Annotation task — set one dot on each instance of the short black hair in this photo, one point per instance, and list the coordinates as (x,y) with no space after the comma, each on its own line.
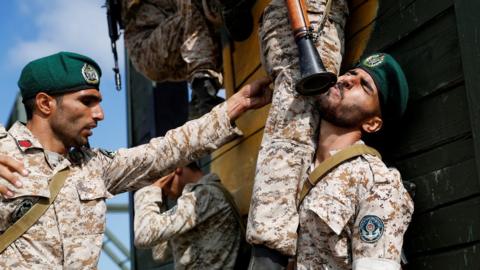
(30,105)
(194,166)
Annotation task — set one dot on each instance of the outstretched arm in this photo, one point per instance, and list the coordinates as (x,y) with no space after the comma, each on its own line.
(133,168)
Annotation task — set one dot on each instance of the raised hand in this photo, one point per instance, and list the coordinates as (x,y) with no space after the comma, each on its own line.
(251,96)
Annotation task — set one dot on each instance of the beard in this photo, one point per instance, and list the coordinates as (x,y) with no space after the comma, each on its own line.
(66,130)
(349,116)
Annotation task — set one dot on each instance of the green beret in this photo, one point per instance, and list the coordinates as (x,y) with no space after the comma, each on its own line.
(59,73)
(390,82)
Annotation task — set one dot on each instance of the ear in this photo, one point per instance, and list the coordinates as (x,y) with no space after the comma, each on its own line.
(372,124)
(179,171)
(45,104)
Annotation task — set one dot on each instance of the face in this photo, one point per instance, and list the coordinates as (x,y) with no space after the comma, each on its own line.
(75,115)
(352,101)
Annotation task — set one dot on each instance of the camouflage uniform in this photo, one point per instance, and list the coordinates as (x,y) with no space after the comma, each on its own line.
(201,229)
(69,234)
(340,216)
(169,40)
(289,138)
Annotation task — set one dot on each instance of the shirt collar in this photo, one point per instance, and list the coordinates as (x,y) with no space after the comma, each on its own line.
(23,137)
(208,178)
(332,152)
(25,141)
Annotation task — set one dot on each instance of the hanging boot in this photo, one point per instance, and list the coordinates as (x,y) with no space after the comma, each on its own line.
(204,90)
(237,18)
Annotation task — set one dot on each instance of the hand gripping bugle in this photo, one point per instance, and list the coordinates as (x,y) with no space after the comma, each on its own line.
(315,78)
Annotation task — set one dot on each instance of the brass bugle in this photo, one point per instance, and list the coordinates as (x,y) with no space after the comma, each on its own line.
(315,79)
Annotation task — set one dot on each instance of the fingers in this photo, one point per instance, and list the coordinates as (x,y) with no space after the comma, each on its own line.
(6,192)
(251,96)
(164,181)
(8,168)
(257,87)
(262,93)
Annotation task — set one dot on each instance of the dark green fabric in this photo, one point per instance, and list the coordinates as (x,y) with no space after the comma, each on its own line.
(390,81)
(59,73)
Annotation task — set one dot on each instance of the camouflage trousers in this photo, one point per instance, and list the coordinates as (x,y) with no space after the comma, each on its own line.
(169,40)
(290,134)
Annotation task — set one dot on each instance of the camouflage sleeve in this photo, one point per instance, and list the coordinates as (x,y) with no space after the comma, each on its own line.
(152,227)
(384,214)
(133,168)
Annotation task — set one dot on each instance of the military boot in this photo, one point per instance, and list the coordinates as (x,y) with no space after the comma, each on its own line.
(204,97)
(237,18)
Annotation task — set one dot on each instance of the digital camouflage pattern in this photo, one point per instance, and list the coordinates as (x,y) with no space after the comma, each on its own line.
(289,138)
(331,233)
(169,40)
(201,229)
(69,234)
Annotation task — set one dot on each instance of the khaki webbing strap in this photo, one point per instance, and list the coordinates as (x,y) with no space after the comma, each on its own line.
(330,163)
(328,8)
(232,203)
(34,214)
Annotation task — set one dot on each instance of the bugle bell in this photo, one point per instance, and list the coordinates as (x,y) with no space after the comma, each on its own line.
(315,79)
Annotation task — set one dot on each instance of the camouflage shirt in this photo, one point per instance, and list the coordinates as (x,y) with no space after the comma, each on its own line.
(69,234)
(354,218)
(202,230)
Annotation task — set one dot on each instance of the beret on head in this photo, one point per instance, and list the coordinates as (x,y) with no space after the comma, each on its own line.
(390,82)
(59,73)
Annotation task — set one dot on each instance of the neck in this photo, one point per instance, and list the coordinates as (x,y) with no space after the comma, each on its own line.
(45,135)
(197,175)
(334,138)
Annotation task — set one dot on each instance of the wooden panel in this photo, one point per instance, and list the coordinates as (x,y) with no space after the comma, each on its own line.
(354,4)
(361,17)
(246,54)
(236,168)
(430,57)
(403,20)
(228,75)
(432,122)
(355,48)
(391,7)
(445,185)
(453,225)
(469,32)
(465,258)
(359,25)
(435,159)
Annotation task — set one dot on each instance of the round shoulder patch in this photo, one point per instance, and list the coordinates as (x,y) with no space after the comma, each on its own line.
(371,228)
(374,60)
(90,74)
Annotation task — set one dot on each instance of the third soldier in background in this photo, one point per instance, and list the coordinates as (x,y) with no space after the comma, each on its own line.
(202,230)
(172,40)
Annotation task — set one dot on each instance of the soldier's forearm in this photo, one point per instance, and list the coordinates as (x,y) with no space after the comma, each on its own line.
(235,108)
(140,166)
